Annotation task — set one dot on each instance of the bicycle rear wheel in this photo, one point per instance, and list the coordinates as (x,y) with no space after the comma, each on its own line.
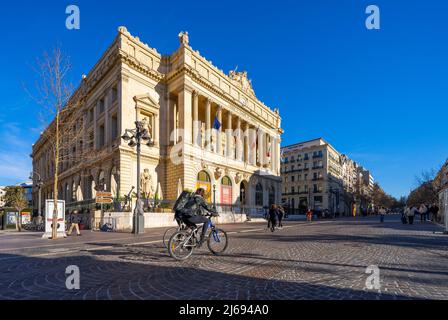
(181,245)
(217,241)
(168,234)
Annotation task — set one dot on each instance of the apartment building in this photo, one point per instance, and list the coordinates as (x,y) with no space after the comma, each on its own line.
(315,175)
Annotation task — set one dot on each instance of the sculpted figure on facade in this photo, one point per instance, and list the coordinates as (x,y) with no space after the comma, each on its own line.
(146,184)
(147,125)
(238,178)
(184,38)
(218,173)
(243,81)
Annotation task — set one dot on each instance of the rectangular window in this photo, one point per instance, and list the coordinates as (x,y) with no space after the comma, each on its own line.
(114,94)
(91,115)
(292,179)
(114,128)
(91,140)
(101,137)
(101,106)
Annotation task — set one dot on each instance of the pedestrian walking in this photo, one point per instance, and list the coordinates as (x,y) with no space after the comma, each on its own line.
(272,217)
(309,215)
(435,213)
(404,218)
(422,210)
(411,214)
(281,215)
(382,213)
(75,220)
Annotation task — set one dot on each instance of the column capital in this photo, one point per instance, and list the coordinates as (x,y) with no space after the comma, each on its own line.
(195,94)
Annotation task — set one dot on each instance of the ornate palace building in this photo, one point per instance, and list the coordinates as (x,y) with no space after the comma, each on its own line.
(208,129)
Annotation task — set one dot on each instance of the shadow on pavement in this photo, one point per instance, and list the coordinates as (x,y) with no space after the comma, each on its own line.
(44,278)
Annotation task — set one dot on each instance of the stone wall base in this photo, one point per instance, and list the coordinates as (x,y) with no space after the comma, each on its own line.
(122,221)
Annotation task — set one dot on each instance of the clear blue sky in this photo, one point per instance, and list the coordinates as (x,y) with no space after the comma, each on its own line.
(378,96)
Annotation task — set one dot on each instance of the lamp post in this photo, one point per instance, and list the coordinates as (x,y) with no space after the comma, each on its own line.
(135,138)
(214,197)
(39,185)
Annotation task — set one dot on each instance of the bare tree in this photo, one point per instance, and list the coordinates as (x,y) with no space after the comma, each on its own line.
(65,133)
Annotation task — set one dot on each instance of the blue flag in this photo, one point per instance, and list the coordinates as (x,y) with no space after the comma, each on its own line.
(216,124)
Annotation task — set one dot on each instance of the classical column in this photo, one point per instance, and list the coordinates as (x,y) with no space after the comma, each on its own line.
(185,115)
(229,152)
(155,126)
(239,154)
(95,124)
(218,133)
(208,126)
(107,131)
(253,146)
(246,138)
(175,123)
(196,128)
(85,135)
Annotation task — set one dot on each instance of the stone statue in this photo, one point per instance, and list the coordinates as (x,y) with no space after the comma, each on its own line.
(183,38)
(242,80)
(147,125)
(146,184)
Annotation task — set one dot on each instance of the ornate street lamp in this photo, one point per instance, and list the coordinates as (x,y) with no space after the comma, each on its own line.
(214,197)
(135,138)
(39,184)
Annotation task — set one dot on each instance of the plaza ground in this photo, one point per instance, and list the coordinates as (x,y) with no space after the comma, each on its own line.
(318,260)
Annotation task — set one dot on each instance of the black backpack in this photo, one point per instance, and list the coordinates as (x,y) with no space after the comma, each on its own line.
(181,202)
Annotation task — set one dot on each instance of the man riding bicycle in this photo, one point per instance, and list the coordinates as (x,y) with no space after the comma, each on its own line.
(195,212)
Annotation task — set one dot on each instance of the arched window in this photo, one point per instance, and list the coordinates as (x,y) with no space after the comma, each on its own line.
(259,195)
(226,182)
(203,176)
(204,182)
(74,190)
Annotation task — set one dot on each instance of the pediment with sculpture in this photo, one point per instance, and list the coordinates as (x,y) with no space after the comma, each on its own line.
(241,80)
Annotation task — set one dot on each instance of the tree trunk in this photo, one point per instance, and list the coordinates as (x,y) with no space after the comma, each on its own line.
(54,231)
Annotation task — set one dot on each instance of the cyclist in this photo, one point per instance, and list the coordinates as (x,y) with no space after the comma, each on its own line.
(195,212)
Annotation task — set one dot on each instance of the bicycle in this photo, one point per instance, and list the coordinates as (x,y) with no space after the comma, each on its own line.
(183,243)
(169,233)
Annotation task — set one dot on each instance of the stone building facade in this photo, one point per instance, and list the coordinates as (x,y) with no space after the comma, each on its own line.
(208,128)
(315,175)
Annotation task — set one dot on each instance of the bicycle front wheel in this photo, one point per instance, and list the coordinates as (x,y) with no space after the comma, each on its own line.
(168,234)
(218,241)
(181,245)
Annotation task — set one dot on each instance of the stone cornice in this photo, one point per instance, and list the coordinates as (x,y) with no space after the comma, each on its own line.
(194,74)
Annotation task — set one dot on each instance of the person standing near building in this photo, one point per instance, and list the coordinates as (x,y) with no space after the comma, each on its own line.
(75,220)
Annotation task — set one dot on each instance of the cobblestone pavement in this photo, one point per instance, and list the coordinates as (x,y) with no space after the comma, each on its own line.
(319,260)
